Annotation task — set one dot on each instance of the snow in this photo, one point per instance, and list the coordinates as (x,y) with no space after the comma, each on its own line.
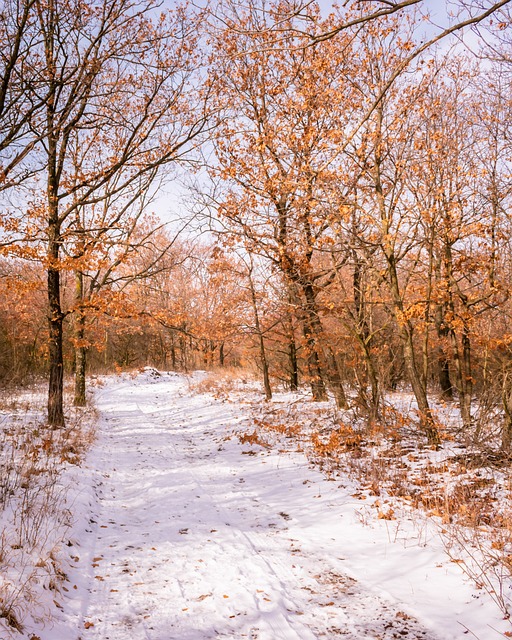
(182,532)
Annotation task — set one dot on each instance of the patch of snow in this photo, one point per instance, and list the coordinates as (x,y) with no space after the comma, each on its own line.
(184,533)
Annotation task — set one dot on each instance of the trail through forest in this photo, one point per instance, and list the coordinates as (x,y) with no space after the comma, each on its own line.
(193,535)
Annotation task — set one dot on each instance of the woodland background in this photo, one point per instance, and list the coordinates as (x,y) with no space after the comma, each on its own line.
(347,220)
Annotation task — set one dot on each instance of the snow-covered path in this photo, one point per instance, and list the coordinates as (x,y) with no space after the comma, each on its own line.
(195,536)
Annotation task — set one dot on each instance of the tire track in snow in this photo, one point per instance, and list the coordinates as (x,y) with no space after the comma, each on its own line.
(187,545)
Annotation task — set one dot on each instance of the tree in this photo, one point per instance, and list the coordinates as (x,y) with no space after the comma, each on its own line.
(114,78)
(283,115)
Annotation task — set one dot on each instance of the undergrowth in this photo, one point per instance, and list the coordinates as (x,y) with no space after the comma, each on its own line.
(35,511)
(463,490)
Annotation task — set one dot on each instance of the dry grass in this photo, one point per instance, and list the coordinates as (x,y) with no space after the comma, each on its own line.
(463,489)
(35,514)
(224,384)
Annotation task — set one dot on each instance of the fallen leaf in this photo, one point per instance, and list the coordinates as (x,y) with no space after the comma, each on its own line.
(203,597)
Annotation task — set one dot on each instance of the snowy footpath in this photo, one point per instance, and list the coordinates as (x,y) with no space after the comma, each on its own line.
(191,535)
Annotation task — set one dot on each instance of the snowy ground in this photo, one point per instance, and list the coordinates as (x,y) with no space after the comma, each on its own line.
(184,533)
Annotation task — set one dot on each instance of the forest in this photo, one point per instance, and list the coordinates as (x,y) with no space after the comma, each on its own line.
(317,195)
(347,225)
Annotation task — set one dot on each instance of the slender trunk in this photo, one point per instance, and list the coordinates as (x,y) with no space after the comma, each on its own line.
(312,335)
(465,401)
(55,315)
(443,374)
(80,348)
(292,348)
(428,307)
(55,324)
(363,336)
(294,369)
(81,367)
(506,396)
(257,325)
(335,380)
(443,362)
(221,354)
(173,352)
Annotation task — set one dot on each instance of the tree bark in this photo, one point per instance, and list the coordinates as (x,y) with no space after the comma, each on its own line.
(312,335)
(443,362)
(257,326)
(80,348)
(55,353)
(506,395)
(363,335)
(294,368)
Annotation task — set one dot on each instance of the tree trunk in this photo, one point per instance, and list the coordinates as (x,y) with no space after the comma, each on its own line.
(80,348)
(55,315)
(406,332)
(461,360)
(363,335)
(335,380)
(443,362)
(81,366)
(294,369)
(506,395)
(257,325)
(56,361)
(292,347)
(443,375)
(466,398)
(312,335)
(173,352)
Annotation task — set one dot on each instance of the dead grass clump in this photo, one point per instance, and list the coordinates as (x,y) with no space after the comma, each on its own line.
(35,515)
(288,430)
(339,441)
(224,383)
(252,438)
(10,618)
